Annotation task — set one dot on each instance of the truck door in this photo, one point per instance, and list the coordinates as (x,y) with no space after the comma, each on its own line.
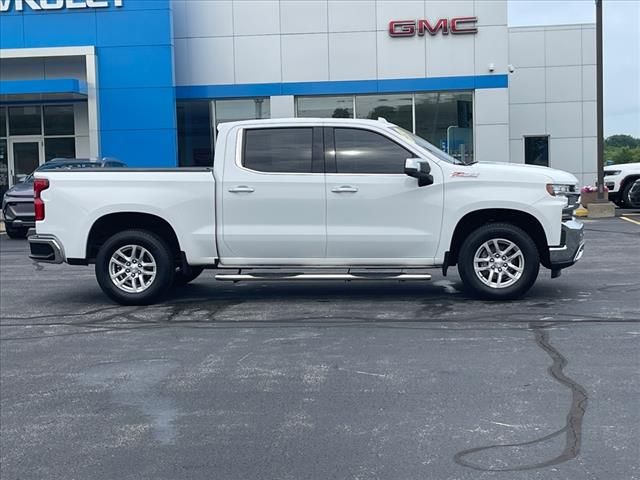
(376,214)
(273,198)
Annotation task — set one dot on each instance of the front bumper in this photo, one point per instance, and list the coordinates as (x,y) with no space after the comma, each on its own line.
(572,246)
(45,248)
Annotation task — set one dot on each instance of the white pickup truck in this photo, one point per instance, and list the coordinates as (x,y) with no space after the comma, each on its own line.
(310,199)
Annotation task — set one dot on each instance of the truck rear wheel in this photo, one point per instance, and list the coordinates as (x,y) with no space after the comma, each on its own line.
(135,267)
(498,262)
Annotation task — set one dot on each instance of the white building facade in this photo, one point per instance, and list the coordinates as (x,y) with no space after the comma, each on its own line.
(147,81)
(493,93)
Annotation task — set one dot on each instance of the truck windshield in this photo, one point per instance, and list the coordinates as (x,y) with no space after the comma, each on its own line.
(421,142)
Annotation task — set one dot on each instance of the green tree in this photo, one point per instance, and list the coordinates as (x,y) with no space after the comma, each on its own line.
(622,141)
(621,149)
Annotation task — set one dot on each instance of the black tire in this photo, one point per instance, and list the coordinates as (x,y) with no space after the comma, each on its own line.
(625,201)
(17,233)
(182,279)
(164,270)
(530,262)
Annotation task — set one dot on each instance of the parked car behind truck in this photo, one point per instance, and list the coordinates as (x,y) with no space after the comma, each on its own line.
(17,203)
(297,199)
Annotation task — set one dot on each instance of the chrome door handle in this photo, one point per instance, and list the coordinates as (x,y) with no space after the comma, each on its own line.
(344,189)
(242,189)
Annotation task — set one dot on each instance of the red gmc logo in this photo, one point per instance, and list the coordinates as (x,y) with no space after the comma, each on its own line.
(456,26)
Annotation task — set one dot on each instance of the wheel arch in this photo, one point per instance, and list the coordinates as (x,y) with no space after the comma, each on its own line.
(628,180)
(472,220)
(108,225)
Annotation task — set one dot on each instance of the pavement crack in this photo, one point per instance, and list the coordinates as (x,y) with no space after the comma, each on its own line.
(572,428)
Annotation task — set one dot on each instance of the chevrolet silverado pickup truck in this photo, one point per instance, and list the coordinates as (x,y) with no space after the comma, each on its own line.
(311,199)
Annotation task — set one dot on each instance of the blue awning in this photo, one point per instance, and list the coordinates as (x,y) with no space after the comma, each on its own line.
(53,89)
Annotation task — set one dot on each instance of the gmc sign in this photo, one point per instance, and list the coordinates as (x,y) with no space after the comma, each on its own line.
(455,25)
(19,5)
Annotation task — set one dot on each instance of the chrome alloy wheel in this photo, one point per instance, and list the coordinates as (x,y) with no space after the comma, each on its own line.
(498,263)
(132,268)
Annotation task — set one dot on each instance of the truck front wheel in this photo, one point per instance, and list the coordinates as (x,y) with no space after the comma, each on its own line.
(498,262)
(135,267)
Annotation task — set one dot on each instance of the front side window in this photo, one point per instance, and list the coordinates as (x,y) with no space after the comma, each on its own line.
(536,151)
(278,150)
(364,151)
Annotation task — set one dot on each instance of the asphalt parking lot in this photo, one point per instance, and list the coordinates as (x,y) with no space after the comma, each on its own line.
(331,381)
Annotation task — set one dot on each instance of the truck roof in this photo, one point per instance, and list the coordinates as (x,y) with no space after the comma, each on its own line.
(307,121)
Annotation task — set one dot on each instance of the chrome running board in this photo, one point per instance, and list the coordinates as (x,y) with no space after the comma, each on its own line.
(267,277)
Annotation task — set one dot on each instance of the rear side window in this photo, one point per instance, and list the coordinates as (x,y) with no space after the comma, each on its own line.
(278,150)
(363,151)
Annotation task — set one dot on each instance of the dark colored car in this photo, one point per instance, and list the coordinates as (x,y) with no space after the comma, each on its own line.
(634,194)
(17,204)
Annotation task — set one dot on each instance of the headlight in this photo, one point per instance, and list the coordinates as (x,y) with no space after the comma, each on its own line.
(570,196)
(557,190)
(612,172)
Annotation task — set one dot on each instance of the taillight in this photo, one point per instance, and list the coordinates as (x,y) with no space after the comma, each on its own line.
(39,184)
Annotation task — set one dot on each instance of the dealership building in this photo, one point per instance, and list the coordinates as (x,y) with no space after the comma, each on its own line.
(147,81)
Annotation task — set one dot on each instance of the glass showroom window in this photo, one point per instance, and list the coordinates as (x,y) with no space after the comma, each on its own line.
(194,134)
(59,132)
(242,109)
(325,107)
(445,119)
(397,109)
(4,157)
(196,121)
(536,150)
(54,122)
(25,120)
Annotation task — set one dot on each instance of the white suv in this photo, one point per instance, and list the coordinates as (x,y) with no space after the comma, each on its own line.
(619,179)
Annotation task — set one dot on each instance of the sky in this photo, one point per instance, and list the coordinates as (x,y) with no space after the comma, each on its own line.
(621,50)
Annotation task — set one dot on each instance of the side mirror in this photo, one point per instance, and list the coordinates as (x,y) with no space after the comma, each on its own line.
(420,169)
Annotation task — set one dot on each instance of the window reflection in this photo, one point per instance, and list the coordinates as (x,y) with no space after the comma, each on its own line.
(243,109)
(445,119)
(536,150)
(325,107)
(361,151)
(397,109)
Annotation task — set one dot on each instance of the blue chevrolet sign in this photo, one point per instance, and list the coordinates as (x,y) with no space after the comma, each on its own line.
(20,5)
(134,56)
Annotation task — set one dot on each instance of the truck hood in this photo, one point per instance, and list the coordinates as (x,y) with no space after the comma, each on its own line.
(511,171)
(22,190)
